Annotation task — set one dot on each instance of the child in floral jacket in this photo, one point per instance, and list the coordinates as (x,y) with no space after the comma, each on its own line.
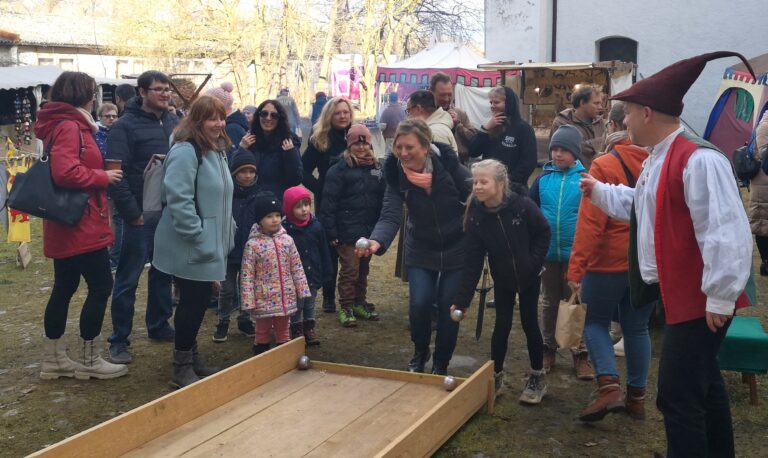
(272,279)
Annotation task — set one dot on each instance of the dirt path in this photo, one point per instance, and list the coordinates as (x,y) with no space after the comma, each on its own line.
(36,413)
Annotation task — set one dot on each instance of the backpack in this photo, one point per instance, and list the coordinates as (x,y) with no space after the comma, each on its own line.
(745,164)
(153,202)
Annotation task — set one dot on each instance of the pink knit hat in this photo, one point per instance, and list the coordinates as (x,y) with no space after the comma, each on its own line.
(223,93)
(358,133)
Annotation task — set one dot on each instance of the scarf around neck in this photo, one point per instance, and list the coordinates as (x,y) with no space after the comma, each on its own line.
(421,179)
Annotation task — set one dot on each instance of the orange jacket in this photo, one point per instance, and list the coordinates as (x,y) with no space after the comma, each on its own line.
(601,243)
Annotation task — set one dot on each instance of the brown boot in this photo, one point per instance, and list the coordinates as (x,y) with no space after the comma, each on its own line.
(609,399)
(583,369)
(297,330)
(309,333)
(549,359)
(636,402)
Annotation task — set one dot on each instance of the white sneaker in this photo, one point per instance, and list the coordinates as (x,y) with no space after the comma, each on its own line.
(618,349)
(535,388)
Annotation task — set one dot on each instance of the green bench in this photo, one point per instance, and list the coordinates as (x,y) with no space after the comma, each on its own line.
(745,350)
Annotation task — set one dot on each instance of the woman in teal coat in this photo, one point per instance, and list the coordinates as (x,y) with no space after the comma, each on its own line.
(196,230)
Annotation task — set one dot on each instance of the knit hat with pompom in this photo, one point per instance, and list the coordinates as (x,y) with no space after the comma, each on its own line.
(223,93)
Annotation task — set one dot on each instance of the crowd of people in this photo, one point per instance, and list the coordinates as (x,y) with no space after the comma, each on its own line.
(239,197)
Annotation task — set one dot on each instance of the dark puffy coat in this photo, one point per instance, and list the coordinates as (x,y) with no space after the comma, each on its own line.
(133,139)
(434,237)
(236,127)
(70,169)
(352,199)
(243,200)
(313,250)
(313,159)
(101,139)
(515,148)
(516,238)
(278,170)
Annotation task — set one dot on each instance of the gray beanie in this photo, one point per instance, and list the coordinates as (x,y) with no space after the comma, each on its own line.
(567,137)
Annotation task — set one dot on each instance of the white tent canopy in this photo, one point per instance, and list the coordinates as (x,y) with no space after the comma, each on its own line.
(34,75)
(442,56)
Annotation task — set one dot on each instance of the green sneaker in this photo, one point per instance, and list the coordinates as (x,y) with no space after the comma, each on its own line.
(364,313)
(347,318)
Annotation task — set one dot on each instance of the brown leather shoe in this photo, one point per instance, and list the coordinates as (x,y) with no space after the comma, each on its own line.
(609,399)
(309,333)
(636,402)
(549,359)
(583,369)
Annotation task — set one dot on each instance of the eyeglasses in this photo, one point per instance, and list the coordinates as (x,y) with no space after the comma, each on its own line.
(160,90)
(408,110)
(269,114)
(341,113)
(109,116)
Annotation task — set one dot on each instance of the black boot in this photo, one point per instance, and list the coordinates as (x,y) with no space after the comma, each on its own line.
(183,371)
(418,361)
(439,368)
(260,348)
(297,330)
(201,370)
(764,269)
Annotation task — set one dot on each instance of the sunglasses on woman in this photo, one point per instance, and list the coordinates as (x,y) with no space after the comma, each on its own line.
(269,114)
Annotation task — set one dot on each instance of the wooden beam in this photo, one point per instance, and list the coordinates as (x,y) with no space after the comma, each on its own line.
(444,419)
(362,371)
(145,423)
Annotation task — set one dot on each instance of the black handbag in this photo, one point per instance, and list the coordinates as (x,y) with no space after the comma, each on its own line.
(34,192)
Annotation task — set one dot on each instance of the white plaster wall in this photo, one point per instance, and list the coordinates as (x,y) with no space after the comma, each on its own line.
(666,31)
(516,30)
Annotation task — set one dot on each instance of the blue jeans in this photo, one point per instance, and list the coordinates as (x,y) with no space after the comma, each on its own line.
(603,293)
(117,230)
(306,306)
(229,296)
(426,288)
(138,244)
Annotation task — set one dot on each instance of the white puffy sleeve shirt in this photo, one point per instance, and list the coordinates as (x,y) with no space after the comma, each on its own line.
(719,220)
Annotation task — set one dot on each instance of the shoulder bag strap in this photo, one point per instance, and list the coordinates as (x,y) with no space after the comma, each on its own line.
(630,177)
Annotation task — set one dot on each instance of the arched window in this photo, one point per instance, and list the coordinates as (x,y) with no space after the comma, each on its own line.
(617,48)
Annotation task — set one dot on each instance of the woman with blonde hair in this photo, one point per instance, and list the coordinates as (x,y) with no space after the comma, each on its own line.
(196,231)
(433,185)
(328,141)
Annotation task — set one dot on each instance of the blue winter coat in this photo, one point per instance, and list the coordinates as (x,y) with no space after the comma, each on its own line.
(313,250)
(557,193)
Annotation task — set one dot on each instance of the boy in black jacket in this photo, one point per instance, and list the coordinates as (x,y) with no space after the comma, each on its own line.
(243,169)
(309,236)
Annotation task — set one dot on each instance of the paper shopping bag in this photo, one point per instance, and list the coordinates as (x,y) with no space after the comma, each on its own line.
(570,323)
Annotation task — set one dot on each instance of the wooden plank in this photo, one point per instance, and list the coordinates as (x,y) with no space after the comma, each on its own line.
(145,423)
(302,421)
(444,419)
(215,422)
(390,374)
(378,427)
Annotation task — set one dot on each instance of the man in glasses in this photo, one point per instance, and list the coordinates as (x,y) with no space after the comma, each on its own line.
(141,133)
(422,105)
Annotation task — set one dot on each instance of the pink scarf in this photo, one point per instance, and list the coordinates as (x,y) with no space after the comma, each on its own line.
(420,179)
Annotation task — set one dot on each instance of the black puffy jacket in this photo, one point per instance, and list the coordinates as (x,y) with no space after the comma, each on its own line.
(243,200)
(434,236)
(314,252)
(352,199)
(515,147)
(516,238)
(133,139)
(277,169)
(313,159)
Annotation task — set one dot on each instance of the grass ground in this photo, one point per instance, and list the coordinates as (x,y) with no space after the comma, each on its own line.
(36,413)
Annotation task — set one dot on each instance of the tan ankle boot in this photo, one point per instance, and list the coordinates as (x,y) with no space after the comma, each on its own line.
(94,366)
(609,399)
(582,367)
(636,402)
(56,363)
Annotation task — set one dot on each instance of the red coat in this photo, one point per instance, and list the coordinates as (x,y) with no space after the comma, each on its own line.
(678,257)
(63,121)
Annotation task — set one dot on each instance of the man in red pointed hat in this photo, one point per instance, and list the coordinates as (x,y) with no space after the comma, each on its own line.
(690,247)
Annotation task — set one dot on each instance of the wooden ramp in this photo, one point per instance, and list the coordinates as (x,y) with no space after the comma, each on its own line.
(276,410)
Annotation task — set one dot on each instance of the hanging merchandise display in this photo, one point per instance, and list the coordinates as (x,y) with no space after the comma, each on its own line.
(18,119)
(26,114)
(19,228)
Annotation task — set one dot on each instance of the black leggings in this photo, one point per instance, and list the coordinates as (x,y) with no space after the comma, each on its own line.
(505,302)
(762,247)
(94,267)
(194,297)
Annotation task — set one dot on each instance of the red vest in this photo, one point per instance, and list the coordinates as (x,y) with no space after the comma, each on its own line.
(679,261)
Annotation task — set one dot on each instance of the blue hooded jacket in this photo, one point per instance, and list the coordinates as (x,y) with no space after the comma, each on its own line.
(557,193)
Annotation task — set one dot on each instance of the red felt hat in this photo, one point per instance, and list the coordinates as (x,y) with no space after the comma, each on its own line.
(664,91)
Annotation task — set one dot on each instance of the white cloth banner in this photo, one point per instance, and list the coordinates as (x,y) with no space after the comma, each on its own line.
(474,101)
